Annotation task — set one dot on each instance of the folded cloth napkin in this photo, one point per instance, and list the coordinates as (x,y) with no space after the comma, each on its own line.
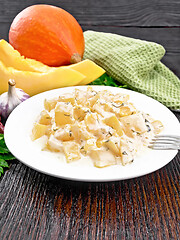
(135,63)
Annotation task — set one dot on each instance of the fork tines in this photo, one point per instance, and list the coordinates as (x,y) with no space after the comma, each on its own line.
(165,142)
(172,137)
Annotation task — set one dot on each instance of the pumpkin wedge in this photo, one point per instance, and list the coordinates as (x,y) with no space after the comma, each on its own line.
(12,58)
(88,68)
(35,82)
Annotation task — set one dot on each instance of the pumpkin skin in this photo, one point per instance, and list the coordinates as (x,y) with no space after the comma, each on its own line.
(47,34)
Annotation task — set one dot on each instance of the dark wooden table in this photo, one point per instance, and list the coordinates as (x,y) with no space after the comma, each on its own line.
(37,206)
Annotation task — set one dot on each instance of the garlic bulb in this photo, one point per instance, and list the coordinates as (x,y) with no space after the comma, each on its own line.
(9,100)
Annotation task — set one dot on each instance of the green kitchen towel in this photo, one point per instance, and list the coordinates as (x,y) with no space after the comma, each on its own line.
(135,63)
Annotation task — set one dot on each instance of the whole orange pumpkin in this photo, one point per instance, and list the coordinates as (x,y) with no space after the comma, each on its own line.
(48,34)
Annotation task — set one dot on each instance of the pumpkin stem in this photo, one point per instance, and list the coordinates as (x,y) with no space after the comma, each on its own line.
(76,58)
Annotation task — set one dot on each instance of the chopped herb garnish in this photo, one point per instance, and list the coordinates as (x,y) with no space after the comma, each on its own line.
(117,106)
(109,133)
(148,127)
(88,111)
(124,153)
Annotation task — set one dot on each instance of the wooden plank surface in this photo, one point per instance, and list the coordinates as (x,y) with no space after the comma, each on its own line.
(106,12)
(36,206)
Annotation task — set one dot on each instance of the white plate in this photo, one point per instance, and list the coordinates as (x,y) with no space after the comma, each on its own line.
(19,126)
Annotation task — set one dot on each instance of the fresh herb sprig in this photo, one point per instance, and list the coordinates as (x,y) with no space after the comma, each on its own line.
(107,80)
(5,155)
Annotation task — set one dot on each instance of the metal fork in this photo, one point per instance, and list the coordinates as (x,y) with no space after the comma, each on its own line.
(165,142)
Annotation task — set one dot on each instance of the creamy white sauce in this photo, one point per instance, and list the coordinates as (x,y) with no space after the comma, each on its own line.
(97,128)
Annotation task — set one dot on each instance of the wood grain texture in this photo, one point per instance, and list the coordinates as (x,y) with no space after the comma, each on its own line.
(37,206)
(106,12)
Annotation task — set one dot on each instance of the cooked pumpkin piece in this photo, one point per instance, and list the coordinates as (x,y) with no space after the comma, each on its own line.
(67,98)
(102,158)
(71,151)
(124,111)
(113,122)
(80,132)
(127,151)
(53,144)
(45,118)
(50,104)
(119,99)
(80,112)
(158,126)
(64,113)
(112,146)
(133,125)
(64,134)
(89,144)
(38,130)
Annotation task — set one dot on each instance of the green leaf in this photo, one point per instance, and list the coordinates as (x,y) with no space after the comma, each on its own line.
(1,171)
(107,80)
(7,156)
(4,150)
(2,142)
(3,147)
(1,136)
(3,163)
